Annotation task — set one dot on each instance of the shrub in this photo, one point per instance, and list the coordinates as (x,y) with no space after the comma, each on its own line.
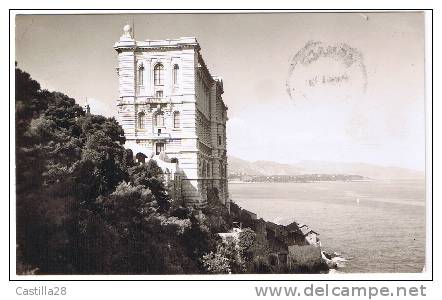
(260,265)
(246,239)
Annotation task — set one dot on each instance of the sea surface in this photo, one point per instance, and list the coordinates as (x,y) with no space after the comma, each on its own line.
(376,226)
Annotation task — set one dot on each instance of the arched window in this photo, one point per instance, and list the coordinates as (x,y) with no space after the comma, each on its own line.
(175,74)
(141,120)
(158,74)
(141,75)
(176,119)
(159,119)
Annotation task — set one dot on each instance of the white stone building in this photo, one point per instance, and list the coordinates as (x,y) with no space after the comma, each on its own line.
(171,110)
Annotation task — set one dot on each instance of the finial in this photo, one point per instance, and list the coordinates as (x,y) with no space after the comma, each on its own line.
(127,31)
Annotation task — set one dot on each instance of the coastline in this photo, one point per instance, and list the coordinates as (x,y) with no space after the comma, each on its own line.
(295,248)
(323,205)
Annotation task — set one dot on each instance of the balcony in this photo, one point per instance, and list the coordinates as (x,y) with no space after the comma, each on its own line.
(145,100)
(160,136)
(153,100)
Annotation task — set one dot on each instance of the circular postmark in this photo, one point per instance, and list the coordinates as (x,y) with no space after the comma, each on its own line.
(326,71)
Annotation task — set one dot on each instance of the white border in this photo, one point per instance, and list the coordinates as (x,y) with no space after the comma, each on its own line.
(349,276)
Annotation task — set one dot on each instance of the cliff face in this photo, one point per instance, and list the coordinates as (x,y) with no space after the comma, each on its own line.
(292,248)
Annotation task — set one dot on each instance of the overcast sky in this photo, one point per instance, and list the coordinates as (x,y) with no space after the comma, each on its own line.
(384,124)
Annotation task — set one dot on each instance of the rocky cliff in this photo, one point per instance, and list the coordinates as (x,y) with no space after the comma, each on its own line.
(292,248)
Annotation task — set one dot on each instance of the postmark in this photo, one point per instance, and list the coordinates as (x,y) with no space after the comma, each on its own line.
(324,71)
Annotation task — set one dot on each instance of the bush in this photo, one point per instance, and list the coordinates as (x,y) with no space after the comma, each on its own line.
(226,259)
(246,239)
(216,263)
(260,265)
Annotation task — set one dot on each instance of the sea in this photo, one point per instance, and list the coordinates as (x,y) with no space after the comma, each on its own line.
(374,226)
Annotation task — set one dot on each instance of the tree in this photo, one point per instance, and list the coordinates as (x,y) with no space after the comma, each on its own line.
(216,262)
(226,259)
(83,206)
(246,239)
(150,176)
(65,160)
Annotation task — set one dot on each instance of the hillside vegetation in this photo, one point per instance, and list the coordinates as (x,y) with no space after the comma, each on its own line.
(84,206)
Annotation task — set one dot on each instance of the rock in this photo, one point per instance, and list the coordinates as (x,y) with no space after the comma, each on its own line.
(327,255)
(329,260)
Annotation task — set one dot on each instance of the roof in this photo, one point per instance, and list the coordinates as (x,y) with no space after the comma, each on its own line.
(153,44)
(306,231)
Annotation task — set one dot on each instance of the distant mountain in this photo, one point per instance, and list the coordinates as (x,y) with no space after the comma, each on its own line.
(261,167)
(237,165)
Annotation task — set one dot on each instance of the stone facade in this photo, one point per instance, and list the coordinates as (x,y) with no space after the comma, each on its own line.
(171,110)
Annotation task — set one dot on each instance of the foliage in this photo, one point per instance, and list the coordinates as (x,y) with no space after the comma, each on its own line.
(84,206)
(226,259)
(246,239)
(233,255)
(150,176)
(216,262)
(260,265)
(218,218)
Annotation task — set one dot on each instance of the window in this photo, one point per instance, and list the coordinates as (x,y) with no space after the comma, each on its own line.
(159,119)
(176,119)
(159,147)
(159,94)
(175,74)
(141,75)
(141,119)
(219,140)
(158,74)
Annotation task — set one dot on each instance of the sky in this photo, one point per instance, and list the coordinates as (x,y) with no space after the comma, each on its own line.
(374,115)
